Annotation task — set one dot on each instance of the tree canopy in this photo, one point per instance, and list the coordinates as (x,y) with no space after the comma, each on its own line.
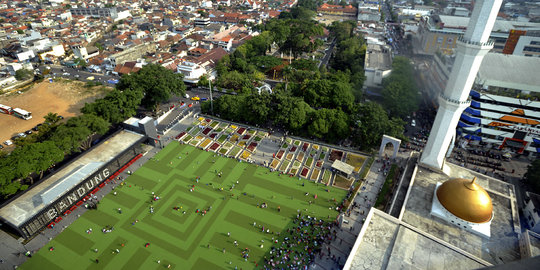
(371,122)
(400,93)
(156,82)
(23,74)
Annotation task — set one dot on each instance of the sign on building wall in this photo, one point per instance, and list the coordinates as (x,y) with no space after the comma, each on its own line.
(80,193)
(512,41)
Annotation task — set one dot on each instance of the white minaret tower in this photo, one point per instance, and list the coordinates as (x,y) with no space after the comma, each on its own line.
(471,49)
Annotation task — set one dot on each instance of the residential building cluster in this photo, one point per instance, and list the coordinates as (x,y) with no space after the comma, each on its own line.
(120,37)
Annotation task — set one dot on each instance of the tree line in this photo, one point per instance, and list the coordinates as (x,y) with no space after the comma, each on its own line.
(56,140)
(313,102)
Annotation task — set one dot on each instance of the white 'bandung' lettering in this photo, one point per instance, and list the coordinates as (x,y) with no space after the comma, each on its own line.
(52,213)
(62,205)
(81,191)
(76,195)
(72,198)
(98,178)
(89,184)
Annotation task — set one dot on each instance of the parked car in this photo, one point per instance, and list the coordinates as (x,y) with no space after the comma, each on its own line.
(36,128)
(28,132)
(196,98)
(8,142)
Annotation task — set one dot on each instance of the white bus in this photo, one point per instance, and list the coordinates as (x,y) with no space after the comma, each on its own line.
(5,109)
(22,114)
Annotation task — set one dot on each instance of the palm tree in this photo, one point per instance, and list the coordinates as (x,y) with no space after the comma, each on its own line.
(52,118)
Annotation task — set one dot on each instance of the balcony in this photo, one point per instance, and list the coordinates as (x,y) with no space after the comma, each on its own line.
(455,101)
(489,43)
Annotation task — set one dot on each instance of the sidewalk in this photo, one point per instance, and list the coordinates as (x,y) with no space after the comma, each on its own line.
(342,244)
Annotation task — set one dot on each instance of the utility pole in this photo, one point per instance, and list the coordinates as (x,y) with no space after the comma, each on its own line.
(211,100)
(290,56)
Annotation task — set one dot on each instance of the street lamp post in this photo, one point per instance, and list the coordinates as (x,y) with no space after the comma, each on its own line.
(211,100)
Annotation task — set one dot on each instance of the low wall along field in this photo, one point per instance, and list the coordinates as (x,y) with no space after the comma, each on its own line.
(178,231)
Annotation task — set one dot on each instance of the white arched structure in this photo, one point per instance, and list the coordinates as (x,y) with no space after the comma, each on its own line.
(388,139)
(265,87)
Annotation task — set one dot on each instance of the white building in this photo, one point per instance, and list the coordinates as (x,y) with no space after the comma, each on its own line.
(13,67)
(25,55)
(84,53)
(531,211)
(528,44)
(441,32)
(377,64)
(55,51)
(66,16)
(191,71)
(5,81)
(29,36)
(206,4)
(122,15)
(505,105)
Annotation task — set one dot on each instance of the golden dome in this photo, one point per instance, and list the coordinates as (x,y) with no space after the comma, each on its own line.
(466,200)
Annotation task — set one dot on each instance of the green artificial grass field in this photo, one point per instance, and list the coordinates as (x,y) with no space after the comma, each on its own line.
(188,240)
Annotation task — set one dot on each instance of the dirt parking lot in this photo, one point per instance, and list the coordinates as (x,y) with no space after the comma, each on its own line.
(64,98)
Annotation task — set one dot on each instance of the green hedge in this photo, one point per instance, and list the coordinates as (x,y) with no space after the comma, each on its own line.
(366,168)
(387,186)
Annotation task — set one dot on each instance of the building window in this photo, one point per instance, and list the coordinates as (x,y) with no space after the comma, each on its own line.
(531,49)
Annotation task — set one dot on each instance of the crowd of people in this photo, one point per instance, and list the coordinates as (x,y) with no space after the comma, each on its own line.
(385,165)
(297,247)
(482,161)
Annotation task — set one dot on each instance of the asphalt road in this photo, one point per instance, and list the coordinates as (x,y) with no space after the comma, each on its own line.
(328,54)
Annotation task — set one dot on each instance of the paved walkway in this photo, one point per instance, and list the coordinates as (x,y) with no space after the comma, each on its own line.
(335,253)
(266,148)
